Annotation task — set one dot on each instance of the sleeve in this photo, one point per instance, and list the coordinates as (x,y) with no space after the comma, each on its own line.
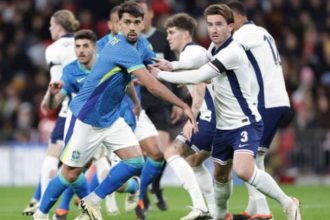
(202,74)
(191,58)
(67,84)
(149,53)
(248,38)
(128,57)
(228,58)
(53,62)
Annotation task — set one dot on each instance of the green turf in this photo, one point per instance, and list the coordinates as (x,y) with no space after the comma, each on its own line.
(315,203)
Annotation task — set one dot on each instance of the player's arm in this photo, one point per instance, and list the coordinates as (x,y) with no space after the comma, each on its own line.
(191,63)
(132,94)
(158,89)
(197,95)
(54,97)
(204,73)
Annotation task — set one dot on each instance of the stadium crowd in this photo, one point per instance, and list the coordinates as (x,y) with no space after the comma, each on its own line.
(301,29)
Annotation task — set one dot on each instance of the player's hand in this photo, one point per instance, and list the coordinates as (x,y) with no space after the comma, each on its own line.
(55,86)
(137,110)
(162,64)
(176,114)
(187,130)
(193,128)
(153,71)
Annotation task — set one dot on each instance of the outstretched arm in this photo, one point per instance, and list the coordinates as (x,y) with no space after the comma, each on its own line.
(158,89)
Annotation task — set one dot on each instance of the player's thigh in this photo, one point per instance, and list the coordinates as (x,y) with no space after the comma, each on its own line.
(81,142)
(121,139)
(144,127)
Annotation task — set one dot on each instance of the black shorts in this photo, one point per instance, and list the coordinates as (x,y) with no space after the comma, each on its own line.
(160,117)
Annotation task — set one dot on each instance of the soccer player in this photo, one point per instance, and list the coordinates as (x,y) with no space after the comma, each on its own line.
(238,123)
(273,100)
(180,29)
(145,131)
(62,25)
(94,118)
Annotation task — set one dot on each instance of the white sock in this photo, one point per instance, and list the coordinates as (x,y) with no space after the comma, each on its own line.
(263,182)
(102,168)
(205,182)
(93,199)
(188,179)
(48,171)
(259,199)
(222,192)
(111,203)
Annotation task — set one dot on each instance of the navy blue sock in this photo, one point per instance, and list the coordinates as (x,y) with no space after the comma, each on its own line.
(54,189)
(150,171)
(118,175)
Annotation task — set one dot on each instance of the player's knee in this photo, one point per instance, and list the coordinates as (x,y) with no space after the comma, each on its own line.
(244,172)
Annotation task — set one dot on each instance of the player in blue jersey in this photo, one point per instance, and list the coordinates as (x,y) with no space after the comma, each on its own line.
(145,132)
(95,118)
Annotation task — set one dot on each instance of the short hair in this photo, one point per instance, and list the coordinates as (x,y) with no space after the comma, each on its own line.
(85,34)
(147,2)
(182,21)
(114,10)
(132,8)
(237,7)
(220,9)
(67,20)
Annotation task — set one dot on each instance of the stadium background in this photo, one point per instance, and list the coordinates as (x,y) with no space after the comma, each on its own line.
(301,150)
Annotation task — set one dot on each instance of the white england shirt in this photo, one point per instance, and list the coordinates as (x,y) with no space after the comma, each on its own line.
(231,80)
(234,103)
(269,85)
(192,52)
(58,55)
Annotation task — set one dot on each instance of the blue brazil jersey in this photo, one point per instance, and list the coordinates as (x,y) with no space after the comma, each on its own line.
(146,53)
(74,75)
(98,101)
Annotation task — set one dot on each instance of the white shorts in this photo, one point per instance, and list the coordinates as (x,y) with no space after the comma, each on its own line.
(83,140)
(144,127)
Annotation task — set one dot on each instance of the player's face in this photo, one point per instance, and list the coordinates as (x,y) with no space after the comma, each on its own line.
(175,38)
(131,27)
(113,23)
(54,29)
(218,28)
(148,16)
(85,51)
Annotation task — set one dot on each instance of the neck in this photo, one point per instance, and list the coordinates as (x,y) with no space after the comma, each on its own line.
(90,64)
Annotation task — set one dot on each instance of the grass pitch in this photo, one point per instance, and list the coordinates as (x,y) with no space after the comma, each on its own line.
(315,203)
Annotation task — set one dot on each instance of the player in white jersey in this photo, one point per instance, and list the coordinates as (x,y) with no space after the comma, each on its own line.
(269,90)
(60,53)
(239,124)
(180,29)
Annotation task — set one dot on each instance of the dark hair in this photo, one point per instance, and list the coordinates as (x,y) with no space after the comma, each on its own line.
(67,20)
(147,2)
(131,8)
(220,9)
(182,21)
(237,7)
(85,34)
(114,10)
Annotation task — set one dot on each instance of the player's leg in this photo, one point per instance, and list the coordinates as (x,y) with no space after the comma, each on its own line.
(244,166)
(120,138)
(49,166)
(81,142)
(200,146)
(147,135)
(188,179)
